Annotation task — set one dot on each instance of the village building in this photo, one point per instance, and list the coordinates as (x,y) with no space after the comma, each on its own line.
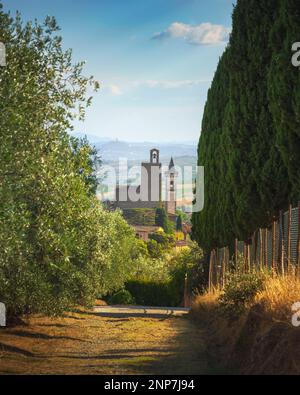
(143,232)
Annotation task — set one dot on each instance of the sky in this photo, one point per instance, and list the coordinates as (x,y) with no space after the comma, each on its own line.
(154,59)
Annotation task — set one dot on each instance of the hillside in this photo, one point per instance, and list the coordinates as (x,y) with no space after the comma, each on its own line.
(113,150)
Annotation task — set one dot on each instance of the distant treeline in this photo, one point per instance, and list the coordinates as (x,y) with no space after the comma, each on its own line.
(250,139)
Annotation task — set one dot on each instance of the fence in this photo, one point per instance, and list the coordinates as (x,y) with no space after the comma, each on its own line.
(276,248)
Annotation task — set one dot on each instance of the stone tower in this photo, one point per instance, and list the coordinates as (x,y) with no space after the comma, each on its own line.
(171,176)
(151,180)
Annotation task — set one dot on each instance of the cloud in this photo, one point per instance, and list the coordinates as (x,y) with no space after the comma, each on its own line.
(173,84)
(203,34)
(115,90)
(131,86)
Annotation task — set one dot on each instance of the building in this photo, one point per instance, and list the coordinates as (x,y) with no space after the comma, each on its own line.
(143,232)
(148,195)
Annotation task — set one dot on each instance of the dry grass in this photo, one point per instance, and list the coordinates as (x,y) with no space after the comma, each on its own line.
(277,298)
(279,295)
(206,303)
(84,342)
(260,341)
(100,302)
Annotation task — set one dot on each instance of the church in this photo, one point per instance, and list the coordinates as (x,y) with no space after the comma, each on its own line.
(148,195)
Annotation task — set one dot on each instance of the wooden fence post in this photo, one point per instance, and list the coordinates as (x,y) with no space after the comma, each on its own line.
(254,250)
(266,263)
(217,263)
(249,257)
(261,249)
(282,257)
(215,267)
(279,247)
(289,239)
(274,246)
(235,253)
(298,242)
(227,265)
(210,272)
(245,257)
(223,267)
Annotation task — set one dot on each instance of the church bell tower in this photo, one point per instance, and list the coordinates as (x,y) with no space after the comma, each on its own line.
(171,176)
(151,181)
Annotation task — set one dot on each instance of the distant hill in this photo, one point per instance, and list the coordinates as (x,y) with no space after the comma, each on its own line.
(113,150)
(93,140)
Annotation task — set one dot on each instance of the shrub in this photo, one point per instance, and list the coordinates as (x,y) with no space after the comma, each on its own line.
(154,293)
(155,250)
(161,282)
(188,261)
(122,297)
(164,239)
(147,268)
(241,292)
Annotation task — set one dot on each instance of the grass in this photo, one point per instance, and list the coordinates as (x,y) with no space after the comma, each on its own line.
(260,340)
(84,342)
(278,296)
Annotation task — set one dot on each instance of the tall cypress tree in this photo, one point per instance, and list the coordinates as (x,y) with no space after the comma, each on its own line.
(284,93)
(249,142)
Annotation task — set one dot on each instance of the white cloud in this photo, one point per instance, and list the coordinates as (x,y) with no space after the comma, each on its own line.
(173,84)
(130,86)
(203,34)
(115,90)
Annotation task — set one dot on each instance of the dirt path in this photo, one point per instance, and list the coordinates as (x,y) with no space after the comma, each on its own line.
(107,340)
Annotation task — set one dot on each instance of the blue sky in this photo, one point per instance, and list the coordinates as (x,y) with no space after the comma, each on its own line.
(155,60)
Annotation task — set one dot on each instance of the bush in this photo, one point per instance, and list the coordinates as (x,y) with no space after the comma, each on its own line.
(147,268)
(155,250)
(164,239)
(161,282)
(241,292)
(122,297)
(154,293)
(159,244)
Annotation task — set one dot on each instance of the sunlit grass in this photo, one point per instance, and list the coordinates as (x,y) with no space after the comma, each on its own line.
(278,296)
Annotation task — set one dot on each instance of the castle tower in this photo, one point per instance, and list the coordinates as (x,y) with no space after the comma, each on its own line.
(171,176)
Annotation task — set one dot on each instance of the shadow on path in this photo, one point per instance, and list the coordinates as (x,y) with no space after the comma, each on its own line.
(13,349)
(42,336)
(137,312)
(183,354)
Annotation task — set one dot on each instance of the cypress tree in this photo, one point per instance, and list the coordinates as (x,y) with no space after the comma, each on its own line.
(250,138)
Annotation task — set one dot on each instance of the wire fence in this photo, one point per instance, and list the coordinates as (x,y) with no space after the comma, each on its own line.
(276,248)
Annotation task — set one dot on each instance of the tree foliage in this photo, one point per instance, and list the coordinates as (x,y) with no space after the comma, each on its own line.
(58,246)
(162,220)
(250,141)
(179,223)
